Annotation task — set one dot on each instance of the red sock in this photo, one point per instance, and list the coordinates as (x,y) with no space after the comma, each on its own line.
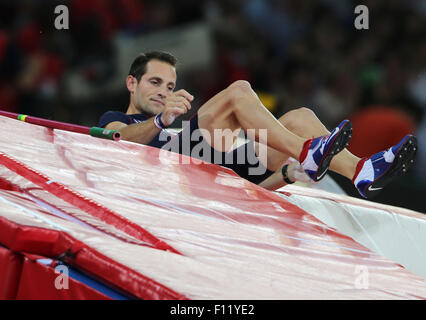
(305,150)
(358,168)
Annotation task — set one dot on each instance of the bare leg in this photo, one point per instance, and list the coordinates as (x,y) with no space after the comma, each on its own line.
(304,123)
(239,107)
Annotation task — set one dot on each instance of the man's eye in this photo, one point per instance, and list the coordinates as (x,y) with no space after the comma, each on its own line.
(154,81)
(171,88)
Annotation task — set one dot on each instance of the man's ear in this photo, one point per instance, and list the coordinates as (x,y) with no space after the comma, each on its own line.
(131,83)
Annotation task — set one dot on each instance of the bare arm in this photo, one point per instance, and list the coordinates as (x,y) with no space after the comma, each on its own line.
(176,104)
(142,132)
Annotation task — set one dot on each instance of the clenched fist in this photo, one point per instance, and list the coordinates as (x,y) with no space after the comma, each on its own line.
(176,104)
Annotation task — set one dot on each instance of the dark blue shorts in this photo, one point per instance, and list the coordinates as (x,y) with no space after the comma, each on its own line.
(242,160)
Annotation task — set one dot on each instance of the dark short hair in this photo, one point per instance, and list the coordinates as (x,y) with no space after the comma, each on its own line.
(138,67)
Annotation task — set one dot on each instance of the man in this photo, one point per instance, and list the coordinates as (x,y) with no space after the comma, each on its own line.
(154,105)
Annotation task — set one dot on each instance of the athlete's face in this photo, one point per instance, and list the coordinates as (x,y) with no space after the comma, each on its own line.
(154,87)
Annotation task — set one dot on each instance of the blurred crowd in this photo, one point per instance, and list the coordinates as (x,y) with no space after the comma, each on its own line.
(294,53)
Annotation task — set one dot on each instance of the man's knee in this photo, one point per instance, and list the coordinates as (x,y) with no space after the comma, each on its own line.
(238,91)
(303,113)
(298,118)
(240,86)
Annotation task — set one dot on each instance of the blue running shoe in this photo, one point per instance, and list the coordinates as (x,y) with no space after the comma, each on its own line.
(373,173)
(317,153)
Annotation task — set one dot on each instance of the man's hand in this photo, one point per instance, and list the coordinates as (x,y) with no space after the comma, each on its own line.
(295,172)
(176,104)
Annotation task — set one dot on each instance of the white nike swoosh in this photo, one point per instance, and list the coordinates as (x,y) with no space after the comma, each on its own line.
(322,174)
(333,134)
(374,189)
(330,137)
(322,147)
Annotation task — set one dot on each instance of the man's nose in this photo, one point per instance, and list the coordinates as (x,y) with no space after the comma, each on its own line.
(163,92)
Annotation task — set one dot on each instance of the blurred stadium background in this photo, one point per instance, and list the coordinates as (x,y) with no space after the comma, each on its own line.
(294,53)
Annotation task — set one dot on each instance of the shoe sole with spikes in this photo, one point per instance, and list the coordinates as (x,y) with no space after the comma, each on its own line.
(340,142)
(404,159)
